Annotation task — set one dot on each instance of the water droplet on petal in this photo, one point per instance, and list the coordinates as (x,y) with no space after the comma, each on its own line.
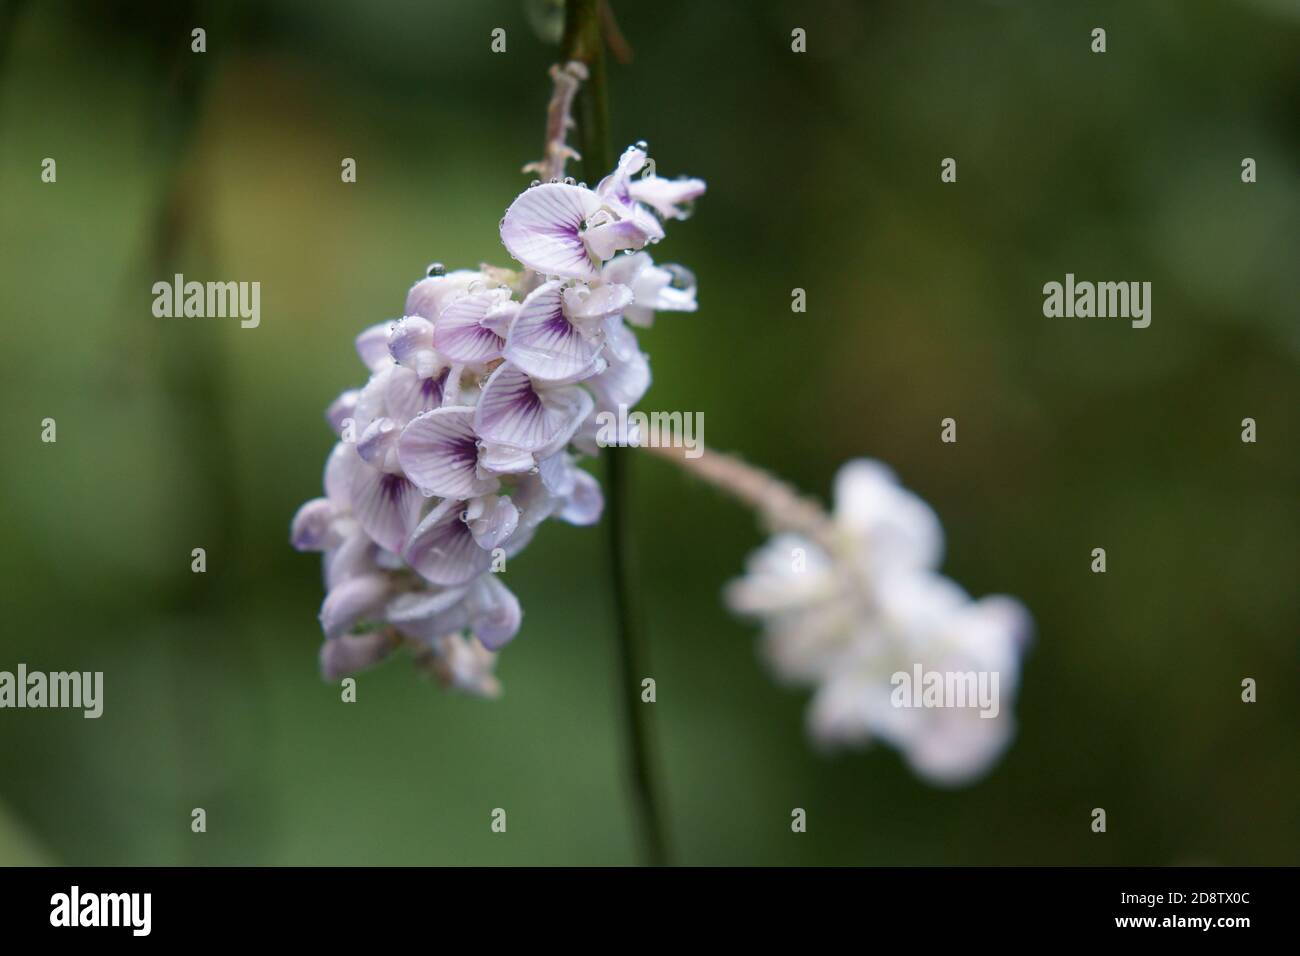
(535,182)
(435,269)
(570,181)
(642,144)
(682,277)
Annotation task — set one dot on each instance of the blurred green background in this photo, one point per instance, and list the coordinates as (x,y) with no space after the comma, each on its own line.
(924,301)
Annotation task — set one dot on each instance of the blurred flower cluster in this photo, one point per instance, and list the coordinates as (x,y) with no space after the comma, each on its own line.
(852,600)
(482,398)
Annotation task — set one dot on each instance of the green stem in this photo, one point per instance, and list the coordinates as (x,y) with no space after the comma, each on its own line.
(583,41)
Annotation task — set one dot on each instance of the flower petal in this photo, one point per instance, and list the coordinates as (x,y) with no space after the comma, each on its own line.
(439,452)
(623,383)
(492,519)
(350,653)
(514,411)
(340,469)
(494,612)
(544,343)
(430,296)
(386,505)
(443,550)
(352,601)
(542,229)
(372,345)
(312,528)
(584,504)
(667,196)
(608,238)
(342,409)
(461,334)
(900,530)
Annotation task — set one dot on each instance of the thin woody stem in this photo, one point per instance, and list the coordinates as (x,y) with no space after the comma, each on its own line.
(781,506)
(559,119)
(583,42)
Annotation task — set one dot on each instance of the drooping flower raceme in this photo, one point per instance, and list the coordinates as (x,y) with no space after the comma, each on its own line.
(852,605)
(481,401)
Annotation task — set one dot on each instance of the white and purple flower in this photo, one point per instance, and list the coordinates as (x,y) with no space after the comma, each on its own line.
(478,410)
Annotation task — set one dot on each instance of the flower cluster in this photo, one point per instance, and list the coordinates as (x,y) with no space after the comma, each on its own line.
(481,400)
(851,602)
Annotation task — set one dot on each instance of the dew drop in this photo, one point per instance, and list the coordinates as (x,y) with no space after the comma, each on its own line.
(642,145)
(570,181)
(682,277)
(535,182)
(435,269)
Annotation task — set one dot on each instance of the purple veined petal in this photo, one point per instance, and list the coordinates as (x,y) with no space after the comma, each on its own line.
(351,601)
(386,505)
(351,653)
(584,504)
(372,345)
(544,343)
(492,519)
(408,394)
(340,468)
(513,411)
(439,452)
(494,612)
(312,527)
(410,339)
(611,237)
(460,333)
(500,316)
(623,383)
(430,296)
(543,229)
(442,549)
(667,196)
